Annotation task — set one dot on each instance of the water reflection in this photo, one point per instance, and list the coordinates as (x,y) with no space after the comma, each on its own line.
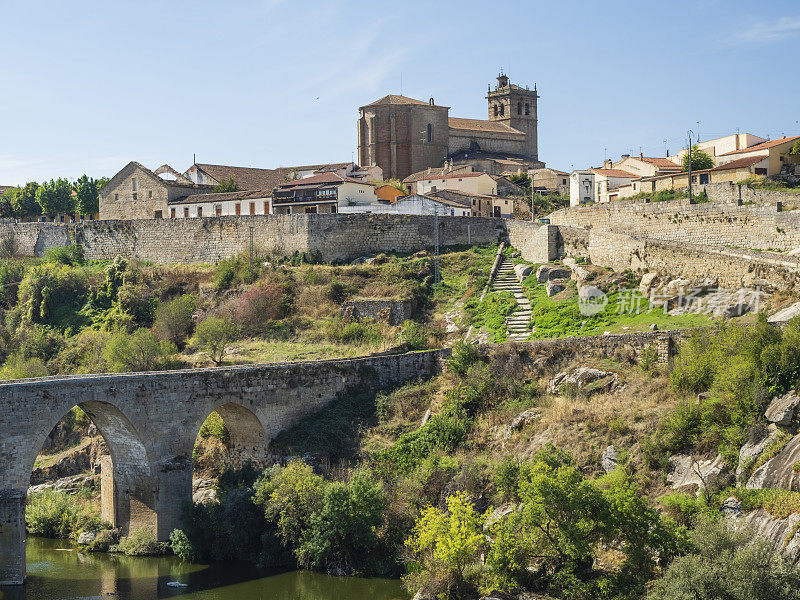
(58,571)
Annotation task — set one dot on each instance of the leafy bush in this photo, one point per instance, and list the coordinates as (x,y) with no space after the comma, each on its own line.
(137,351)
(65,255)
(415,336)
(728,563)
(215,335)
(59,515)
(52,294)
(141,542)
(173,319)
(463,356)
(352,331)
(214,427)
(263,302)
(18,367)
(236,270)
(181,545)
(11,273)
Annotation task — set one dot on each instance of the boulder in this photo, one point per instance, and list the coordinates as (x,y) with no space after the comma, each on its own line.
(558,273)
(542,273)
(204,491)
(500,512)
(525,418)
(782,534)
(554,287)
(706,284)
(648,282)
(778,472)
(783,315)
(609,460)
(584,378)
(678,286)
(782,409)
(687,471)
(754,446)
(732,508)
(523,271)
(87,537)
(591,300)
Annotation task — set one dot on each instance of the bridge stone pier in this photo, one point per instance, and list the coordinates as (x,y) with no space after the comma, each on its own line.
(150,422)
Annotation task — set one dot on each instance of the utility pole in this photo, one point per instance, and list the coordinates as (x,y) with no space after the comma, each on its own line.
(436,277)
(251,252)
(690,166)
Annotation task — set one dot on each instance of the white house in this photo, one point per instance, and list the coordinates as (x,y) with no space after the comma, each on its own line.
(415,204)
(249,202)
(475,182)
(597,185)
(323,193)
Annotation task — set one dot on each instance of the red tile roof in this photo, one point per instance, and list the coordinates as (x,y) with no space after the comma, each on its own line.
(222,197)
(320,179)
(763,145)
(434,173)
(661,163)
(739,163)
(614,173)
(481,125)
(452,175)
(394,99)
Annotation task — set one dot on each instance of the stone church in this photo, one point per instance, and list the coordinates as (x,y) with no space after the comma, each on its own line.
(404,136)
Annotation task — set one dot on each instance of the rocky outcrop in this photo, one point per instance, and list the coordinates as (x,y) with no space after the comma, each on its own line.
(609,460)
(586,379)
(71,485)
(753,447)
(779,471)
(553,287)
(687,472)
(781,533)
(204,491)
(84,458)
(782,409)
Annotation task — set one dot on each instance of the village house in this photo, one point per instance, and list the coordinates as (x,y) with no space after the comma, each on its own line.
(485,205)
(549,181)
(466,181)
(388,193)
(646,166)
(227,204)
(323,193)
(598,185)
(415,204)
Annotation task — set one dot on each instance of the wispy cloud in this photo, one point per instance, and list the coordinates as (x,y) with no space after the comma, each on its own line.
(770,31)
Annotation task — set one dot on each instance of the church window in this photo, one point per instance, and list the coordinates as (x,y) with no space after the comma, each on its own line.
(502,110)
(430,133)
(519,108)
(527,108)
(496,110)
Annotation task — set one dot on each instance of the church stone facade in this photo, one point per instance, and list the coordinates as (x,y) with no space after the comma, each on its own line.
(404,136)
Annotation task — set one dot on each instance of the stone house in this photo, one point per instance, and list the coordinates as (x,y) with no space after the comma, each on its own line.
(243,203)
(549,181)
(774,152)
(474,182)
(136,192)
(645,166)
(597,185)
(415,204)
(404,135)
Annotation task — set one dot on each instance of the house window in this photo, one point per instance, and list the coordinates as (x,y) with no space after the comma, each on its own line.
(158,214)
(133,183)
(761,171)
(218,210)
(171,213)
(199,211)
(266,208)
(252,208)
(519,108)
(149,193)
(703,178)
(430,133)
(238,208)
(116,197)
(564,181)
(527,108)
(135,196)
(333,209)
(186,212)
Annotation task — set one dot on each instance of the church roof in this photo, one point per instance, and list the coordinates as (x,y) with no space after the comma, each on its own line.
(395,100)
(481,125)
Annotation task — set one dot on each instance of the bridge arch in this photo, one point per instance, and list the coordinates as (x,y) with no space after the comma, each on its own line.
(246,436)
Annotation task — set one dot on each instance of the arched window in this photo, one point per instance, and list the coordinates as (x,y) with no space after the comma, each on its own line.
(496,110)
(502,109)
(527,108)
(519,108)
(430,133)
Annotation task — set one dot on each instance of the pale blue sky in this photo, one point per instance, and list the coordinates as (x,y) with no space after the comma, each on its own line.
(87,86)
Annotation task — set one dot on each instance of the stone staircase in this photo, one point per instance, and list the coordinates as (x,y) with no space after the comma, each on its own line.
(517,322)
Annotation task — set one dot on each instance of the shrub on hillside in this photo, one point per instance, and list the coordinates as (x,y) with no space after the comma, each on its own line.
(137,351)
(11,273)
(18,367)
(141,542)
(37,341)
(65,255)
(415,336)
(83,353)
(173,319)
(353,331)
(729,562)
(59,515)
(214,336)
(265,301)
(52,294)
(462,357)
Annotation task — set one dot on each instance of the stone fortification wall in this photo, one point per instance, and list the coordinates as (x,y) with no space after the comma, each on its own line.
(712,224)
(536,242)
(733,268)
(330,237)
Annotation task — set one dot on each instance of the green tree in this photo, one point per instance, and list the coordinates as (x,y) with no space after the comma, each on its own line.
(7,201)
(24,202)
(214,335)
(730,563)
(343,532)
(447,542)
(87,196)
(137,351)
(523,180)
(173,320)
(55,197)
(227,185)
(700,160)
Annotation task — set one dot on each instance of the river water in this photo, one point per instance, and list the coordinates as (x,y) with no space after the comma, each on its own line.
(58,571)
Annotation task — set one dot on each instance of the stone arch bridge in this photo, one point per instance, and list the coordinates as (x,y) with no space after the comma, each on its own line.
(150,422)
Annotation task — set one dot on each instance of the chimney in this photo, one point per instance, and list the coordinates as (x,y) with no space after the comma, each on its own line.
(641,156)
(607,163)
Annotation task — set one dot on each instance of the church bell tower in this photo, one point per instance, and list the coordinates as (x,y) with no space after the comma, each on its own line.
(516,107)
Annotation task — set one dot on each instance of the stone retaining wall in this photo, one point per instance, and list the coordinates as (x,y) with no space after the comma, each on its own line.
(328,237)
(393,312)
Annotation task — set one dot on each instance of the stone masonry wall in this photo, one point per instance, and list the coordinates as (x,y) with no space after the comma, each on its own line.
(331,237)
(712,224)
(393,312)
